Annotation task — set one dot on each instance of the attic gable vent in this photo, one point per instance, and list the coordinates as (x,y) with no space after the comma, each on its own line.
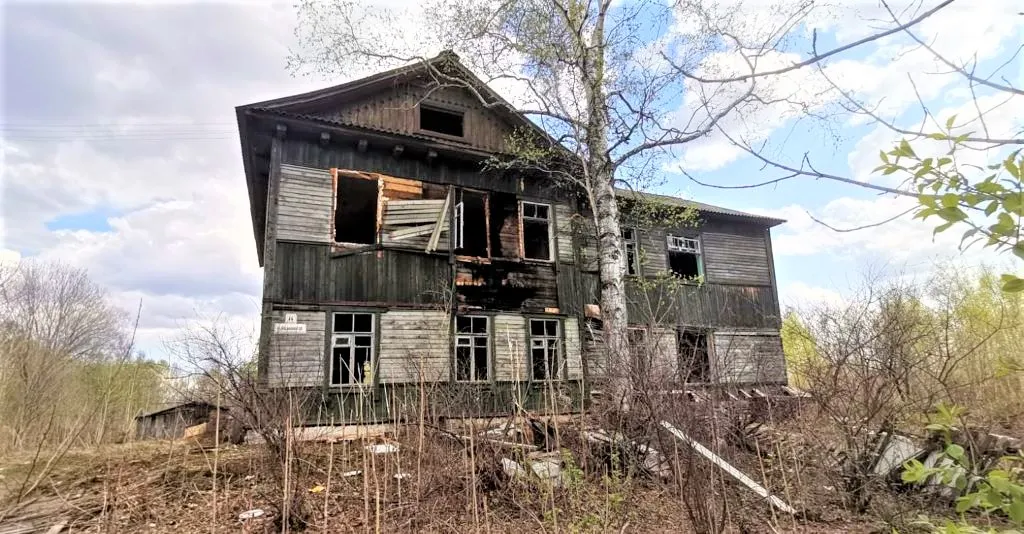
(442,121)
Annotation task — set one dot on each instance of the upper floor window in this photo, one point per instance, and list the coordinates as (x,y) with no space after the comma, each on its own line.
(471,224)
(442,121)
(546,348)
(629,238)
(355,210)
(684,256)
(536,231)
(352,344)
(472,348)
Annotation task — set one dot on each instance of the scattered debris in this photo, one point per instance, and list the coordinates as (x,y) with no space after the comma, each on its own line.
(317,489)
(353,473)
(896,450)
(736,473)
(512,468)
(402,476)
(382,448)
(251,514)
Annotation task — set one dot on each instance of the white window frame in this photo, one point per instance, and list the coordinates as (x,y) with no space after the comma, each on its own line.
(634,243)
(684,244)
(459,225)
(550,344)
(347,339)
(547,220)
(468,340)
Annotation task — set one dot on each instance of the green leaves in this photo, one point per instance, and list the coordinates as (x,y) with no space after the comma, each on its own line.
(1011,283)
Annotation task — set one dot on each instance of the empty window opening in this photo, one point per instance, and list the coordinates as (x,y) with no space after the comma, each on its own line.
(472,348)
(684,257)
(352,344)
(504,225)
(536,231)
(545,348)
(441,121)
(694,359)
(632,255)
(471,224)
(355,215)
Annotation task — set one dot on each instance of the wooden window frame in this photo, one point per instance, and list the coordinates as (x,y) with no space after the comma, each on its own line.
(444,108)
(552,249)
(458,219)
(488,344)
(561,373)
(635,242)
(709,349)
(697,251)
(332,343)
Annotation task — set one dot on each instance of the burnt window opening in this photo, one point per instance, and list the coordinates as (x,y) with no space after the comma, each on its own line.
(442,121)
(352,343)
(545,349)
(471,224)
(504,225)
(632,254)
(694,358)
(536,231)
(472,348)
(684,257)
(355,215)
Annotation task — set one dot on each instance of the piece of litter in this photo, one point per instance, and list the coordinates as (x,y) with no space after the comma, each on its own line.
(251,514)
(249,477)
(317,489)
(401,476)
(512,468)
(352,473)
(382,448)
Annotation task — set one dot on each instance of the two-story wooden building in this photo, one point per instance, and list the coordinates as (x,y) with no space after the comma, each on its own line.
(397,267)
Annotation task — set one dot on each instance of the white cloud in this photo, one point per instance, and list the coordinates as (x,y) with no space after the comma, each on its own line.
(799,294)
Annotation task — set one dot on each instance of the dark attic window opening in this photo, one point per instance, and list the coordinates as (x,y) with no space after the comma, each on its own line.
(684,257)
(694,360)
(355,218)
(536,231)
(441,121)
(471,224)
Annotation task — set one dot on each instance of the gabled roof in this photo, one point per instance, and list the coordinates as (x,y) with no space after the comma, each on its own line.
(699,206)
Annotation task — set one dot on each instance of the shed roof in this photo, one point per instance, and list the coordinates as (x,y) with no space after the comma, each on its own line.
(178,406)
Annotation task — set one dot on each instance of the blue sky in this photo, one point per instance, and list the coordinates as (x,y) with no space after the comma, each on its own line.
(120,152)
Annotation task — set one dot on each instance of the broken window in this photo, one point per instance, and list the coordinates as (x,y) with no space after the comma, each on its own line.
(632,255)
(504,225)
(684,257)
(471,224)
(355,213)
(472,348)
(545,348)
(536,231)
(352,349)
(694,359)
(441,121)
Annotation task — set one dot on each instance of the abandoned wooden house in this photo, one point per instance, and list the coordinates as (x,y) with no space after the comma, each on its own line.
(171,422)
(396,261)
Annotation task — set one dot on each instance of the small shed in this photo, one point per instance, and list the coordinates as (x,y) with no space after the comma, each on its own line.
(171,422)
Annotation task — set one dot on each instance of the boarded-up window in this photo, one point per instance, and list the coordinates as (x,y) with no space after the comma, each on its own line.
(472,348)
(545,349)
(694,360)
(355,214)
(684,257)
(536,231)
(352,343)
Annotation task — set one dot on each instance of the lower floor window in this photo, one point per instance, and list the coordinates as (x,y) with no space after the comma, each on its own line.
(694,358)
(351,348)
(545,348)
(472,348)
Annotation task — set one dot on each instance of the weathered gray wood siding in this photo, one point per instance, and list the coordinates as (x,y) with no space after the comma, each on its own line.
(297,360)
(653,257)
(304,204)
(735,258)
(748,356)
(510,348)
(414,346)
(586,242)
(594,353)
(664,358)
(563,233)
(573,349)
